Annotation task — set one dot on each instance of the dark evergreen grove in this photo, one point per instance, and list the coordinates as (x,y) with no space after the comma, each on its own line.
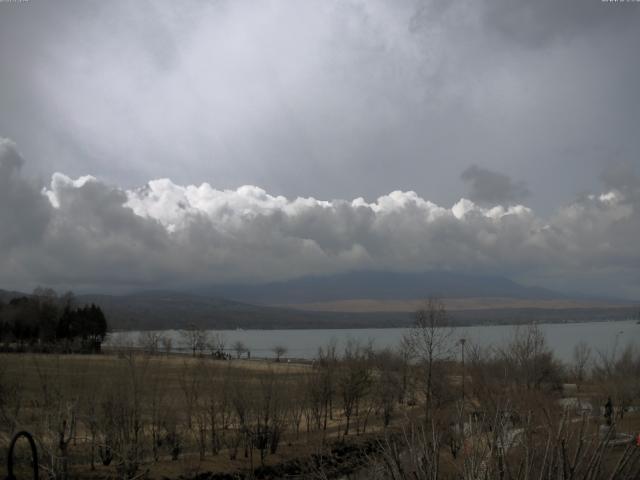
(45,322)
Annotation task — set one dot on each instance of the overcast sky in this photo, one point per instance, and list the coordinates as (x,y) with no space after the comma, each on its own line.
(258,140)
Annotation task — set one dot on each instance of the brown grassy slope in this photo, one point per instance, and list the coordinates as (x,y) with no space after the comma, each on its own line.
(81,380)
(454,304)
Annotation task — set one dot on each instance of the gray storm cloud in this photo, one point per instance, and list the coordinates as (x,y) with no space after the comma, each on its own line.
(23,213)
(330,98)
(489,187)
(87,234)
(323,99)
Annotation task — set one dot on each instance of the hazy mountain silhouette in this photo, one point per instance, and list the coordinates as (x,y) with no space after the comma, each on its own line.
(247,306)
(380,286)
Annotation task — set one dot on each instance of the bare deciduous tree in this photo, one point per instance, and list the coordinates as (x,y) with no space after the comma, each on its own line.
(581,360)
(618,377)
(279,351)
(167,344)
(149,342)
(217,344)
(387,383)
(239,347)
(195,339)
(430,340)
(11,396)
(124,419)
(59,402)
(354,380)
(529,360)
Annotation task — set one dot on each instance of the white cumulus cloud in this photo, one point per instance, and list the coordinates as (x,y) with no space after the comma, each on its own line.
(86,234)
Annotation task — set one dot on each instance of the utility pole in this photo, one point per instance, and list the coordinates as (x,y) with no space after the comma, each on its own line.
(461,418)
(462,342)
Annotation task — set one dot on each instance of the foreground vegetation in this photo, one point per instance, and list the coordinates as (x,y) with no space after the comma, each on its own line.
(430,409)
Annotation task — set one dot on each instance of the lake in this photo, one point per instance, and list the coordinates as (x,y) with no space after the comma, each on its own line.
(561,337)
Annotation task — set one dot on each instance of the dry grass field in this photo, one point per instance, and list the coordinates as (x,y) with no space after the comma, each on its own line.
(129,415)
(364,305)
(179,415)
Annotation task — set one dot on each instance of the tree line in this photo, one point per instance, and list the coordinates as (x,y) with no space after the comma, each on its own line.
(46,322)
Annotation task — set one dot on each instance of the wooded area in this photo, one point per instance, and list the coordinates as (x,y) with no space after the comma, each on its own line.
(45,322)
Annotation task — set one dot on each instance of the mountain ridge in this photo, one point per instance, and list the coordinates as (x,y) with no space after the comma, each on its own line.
(351,300)
(378,285)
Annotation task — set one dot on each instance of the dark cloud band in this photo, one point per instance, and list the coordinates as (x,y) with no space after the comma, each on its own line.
(87,234)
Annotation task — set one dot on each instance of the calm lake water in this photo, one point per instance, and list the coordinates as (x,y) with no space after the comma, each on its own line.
(561,337)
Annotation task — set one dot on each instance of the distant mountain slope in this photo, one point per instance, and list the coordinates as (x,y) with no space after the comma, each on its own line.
(159,310)
(379,286)
(174,310)
(459,304)
(7,295)
(168,309)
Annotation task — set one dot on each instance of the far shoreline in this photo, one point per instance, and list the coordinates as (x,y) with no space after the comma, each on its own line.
(376,327)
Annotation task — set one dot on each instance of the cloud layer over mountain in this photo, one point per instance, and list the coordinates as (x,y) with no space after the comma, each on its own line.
(329,98)
(86,234)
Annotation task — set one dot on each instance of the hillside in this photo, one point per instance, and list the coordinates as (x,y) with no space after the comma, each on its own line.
(379,286)
(170,310)
(479,304)
(352,300)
